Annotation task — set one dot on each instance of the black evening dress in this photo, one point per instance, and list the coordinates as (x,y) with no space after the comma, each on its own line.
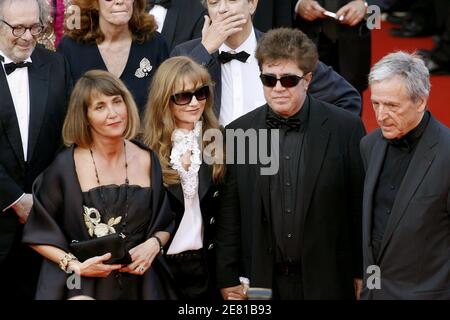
(57,219)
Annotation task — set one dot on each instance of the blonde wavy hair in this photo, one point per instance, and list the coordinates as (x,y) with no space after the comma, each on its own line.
(142,25)
(159,122)
(76,124)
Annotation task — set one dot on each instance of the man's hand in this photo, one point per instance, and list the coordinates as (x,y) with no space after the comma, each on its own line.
(23,207)
(358,284)
(310,10)
(352,13)
(234,293)
(215,33)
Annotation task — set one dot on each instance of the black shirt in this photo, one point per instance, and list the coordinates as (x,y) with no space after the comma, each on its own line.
(286,212)
(398,156)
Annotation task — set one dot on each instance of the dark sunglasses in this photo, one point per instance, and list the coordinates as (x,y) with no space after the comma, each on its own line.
(286,81)
(184,98)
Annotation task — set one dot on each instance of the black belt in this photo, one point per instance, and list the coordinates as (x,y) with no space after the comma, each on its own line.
(186,255)
(287,269)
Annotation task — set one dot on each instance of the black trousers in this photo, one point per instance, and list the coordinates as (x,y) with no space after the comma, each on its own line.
(191,275)
(19,272)
(287,287)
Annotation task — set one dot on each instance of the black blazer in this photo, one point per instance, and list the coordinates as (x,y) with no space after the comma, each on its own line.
(184,21)
(414,258)
(331,196)
(271,14)
(209,203)
(326,84)
(50,85)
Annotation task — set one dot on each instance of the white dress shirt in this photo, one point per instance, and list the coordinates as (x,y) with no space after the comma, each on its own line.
(20,93)
(160,13)
(242,90)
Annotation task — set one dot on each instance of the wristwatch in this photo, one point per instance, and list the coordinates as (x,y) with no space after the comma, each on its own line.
(64,262)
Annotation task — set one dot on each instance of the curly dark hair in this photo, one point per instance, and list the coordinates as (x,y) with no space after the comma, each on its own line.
(142,25)
(287,44)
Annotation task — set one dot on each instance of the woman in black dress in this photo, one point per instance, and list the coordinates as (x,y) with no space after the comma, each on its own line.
(103,185)
(179,112)
(118,36)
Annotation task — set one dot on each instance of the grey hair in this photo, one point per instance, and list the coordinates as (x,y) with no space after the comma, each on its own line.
(44,10)
(409,67)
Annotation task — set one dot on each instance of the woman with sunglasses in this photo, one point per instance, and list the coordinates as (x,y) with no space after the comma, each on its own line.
(178,113)
(118,36)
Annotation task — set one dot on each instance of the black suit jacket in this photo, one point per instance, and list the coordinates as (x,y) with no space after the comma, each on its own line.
(184,21)
(208,193)
(330,251)
(326,84)
(50,84)
(414,258)
(271,14)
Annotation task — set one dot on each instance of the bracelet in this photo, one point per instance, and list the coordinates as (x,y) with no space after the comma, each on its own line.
(161,247)
(64,262)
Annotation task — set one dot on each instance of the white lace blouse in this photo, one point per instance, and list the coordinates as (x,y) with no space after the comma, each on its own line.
(189,235)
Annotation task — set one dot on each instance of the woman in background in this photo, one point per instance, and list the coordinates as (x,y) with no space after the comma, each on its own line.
(118,36)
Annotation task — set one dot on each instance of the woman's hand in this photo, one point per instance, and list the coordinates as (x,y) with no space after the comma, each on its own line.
(142,256)
(94,267)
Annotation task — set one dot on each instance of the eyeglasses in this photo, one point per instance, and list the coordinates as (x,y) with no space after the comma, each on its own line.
(19,30)
(184,98)
(286,81)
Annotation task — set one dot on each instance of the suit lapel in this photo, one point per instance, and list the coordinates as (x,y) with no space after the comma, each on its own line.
(317,137)
(9,120)
(215,69)
(177,191)
(373,171)
(204,180)
(263,181)
(38,74)
(420,163)
(168,30)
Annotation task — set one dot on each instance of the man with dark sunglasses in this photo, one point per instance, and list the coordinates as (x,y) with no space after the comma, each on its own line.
(227,49)
(34,89)
(298,231)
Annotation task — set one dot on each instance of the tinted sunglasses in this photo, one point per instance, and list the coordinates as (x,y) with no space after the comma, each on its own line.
(184,98)
(288,81)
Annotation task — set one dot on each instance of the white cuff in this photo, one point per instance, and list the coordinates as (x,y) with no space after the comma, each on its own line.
(13,203)
(297,5)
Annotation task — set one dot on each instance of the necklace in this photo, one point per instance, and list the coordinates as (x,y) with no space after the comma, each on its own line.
(127,182)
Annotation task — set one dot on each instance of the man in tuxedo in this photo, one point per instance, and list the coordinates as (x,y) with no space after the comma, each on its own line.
(343,43)
(34,86)
(406,208)
(178,20)
(297,231)
(227,49)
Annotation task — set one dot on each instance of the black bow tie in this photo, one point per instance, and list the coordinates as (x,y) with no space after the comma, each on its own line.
(10,67)
(162,3)
(274,121)
(225,57)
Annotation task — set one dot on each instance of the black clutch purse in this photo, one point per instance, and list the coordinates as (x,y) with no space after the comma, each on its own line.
(112,243)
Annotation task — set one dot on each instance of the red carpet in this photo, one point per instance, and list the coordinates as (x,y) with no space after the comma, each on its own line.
(382,44)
